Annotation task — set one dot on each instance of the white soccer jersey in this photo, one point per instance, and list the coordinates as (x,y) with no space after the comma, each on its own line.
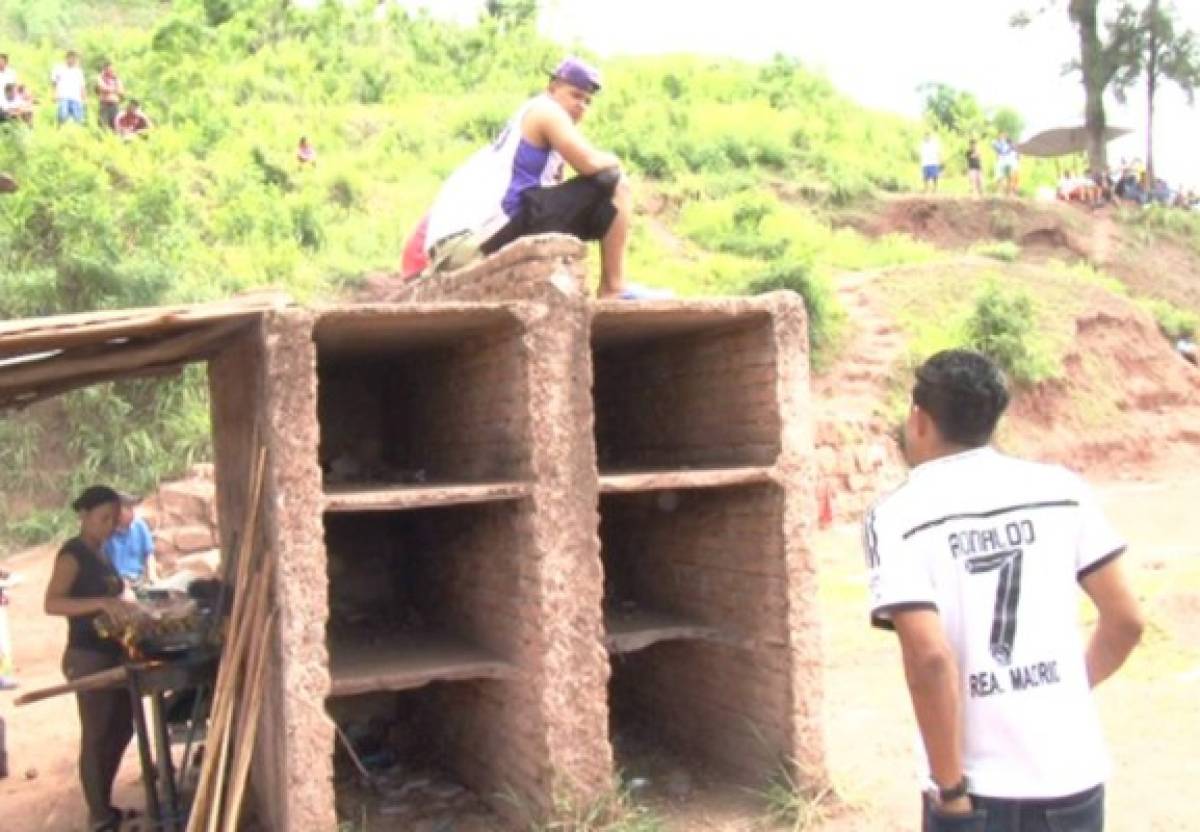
(997,545)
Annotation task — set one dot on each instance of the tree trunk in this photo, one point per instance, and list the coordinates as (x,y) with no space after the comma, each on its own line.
(1151,83)
(1084,15)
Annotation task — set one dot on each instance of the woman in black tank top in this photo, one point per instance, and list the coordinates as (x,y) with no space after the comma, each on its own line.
(83,586)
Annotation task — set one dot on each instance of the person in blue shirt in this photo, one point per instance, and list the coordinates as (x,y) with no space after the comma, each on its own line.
(131,546)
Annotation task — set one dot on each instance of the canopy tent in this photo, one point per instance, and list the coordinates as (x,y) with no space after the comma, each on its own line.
(1063,141)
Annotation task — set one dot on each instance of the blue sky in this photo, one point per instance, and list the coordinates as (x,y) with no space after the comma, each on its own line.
(879,51)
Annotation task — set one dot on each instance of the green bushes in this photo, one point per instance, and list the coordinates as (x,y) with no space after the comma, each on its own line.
(1173,322)
(826,316)
(1003,326)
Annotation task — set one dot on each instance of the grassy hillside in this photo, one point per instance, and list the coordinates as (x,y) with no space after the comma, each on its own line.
(737,168)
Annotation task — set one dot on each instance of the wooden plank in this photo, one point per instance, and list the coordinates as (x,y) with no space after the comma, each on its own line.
(116,361)
(410,661)
(626,483)
(31,335)
(630,631)
(355,498)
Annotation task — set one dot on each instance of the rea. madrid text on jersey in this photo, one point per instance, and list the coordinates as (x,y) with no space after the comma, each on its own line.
(1027,676)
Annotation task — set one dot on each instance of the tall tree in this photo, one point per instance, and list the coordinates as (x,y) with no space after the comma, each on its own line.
(1161,52)
(1098,64)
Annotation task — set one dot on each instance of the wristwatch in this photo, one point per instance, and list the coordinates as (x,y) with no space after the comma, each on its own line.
(959,789)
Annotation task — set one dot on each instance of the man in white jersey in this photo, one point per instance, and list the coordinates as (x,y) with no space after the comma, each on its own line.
(514,187)
(974,561)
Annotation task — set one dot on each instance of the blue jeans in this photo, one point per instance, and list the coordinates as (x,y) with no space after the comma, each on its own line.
(69,110)
(1083,812)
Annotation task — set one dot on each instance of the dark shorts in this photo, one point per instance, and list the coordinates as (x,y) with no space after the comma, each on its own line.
(931,172)
(1083,812)
(582,207)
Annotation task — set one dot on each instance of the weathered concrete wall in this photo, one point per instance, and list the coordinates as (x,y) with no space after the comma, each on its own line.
(236,392)
(292,518)
(573,667)
(796,470)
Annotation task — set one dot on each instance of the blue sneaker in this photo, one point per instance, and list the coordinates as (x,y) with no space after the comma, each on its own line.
(636,291)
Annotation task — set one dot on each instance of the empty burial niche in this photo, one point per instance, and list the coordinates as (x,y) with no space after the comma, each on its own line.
(695,619)
(420,397)
(423,596)
(682,389)
(420,749)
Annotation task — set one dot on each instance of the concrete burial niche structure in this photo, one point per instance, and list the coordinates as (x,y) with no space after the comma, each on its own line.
(517,528)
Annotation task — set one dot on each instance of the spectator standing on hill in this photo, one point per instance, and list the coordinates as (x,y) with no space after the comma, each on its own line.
(974,168)
(974,562)
(931,162)
(69,85)
(514,187)
(110,91)
(132,122)
(10,104)
(306,154)
(8,75)
(1006,163)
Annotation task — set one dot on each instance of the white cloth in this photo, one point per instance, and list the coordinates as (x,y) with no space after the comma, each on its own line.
(68,82)
(931,152)
(997,545)
(8,75)
(471,199)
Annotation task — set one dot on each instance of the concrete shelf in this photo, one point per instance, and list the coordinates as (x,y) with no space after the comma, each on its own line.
(627,482)
(410,661)
(627,632)
(351,497)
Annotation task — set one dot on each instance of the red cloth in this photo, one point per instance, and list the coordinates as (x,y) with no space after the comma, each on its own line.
(415,259)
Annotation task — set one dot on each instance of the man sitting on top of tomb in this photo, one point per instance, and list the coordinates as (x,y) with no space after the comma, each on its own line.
(515,188)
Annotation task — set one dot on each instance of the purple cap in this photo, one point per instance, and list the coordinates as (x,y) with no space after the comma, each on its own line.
(578,74)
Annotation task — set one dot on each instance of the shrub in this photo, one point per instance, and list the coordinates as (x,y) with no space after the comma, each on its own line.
(1006,251)
(826,316)
(1173,321)
(1003,326)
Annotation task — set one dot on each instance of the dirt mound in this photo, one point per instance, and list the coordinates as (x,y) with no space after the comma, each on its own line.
(1125,405)
(957,223)
(1125,401)
(1155,264)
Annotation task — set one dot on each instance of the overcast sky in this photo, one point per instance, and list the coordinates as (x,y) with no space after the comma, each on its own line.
(879,51)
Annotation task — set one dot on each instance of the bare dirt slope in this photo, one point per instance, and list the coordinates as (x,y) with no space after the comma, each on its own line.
(1159,264)
(1125,404)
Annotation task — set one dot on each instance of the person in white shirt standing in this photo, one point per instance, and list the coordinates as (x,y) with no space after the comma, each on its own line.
(931,162)
(974,562)
(8,75)
(69,87)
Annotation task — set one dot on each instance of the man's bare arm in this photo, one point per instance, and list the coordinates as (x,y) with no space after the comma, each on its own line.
(933,684)
(1120,623)
(559,132)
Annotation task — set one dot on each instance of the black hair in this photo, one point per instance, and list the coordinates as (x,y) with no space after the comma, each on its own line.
(93,496)
(964,393)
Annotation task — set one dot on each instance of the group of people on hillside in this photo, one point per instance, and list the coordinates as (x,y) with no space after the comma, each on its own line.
(117,112)
(1127,183)
(1007,164)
